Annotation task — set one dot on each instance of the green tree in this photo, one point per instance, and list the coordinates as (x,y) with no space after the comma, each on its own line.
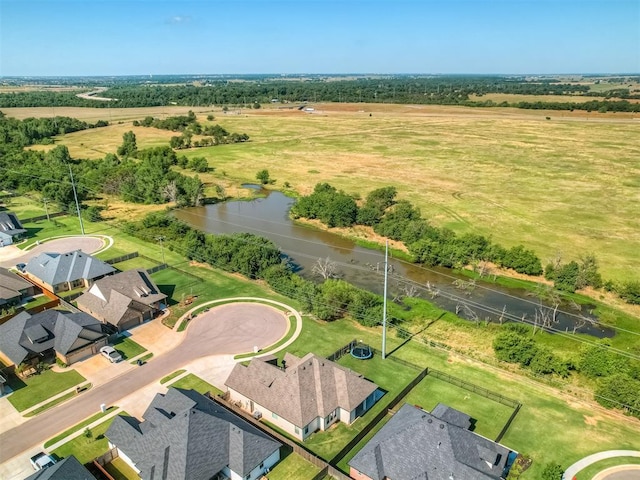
(129,147)
(512,347)
(552,471)
(263,177)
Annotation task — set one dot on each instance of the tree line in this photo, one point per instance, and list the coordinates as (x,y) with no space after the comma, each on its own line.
(140,176)
(617,378)
(444,90)
(430,245)
(189,126)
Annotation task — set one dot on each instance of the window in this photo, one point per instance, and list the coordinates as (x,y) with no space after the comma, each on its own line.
(306,430)
(274,415)
(297,430)
(261,466)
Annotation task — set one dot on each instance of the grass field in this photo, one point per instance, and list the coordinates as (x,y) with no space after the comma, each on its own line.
(490,416)
(128,348)
(506,173)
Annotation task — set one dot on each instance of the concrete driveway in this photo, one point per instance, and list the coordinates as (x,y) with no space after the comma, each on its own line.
(227,329)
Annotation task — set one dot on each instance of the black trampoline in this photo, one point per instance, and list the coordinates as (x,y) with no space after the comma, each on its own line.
(361,351)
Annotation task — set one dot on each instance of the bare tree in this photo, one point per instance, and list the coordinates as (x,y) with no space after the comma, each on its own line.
(325,268)
(467,286)
(467,312)
(501,319)
(170,191)
(432,289)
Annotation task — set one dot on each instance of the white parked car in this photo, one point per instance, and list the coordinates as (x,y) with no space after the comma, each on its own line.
(42,461)
(111,354)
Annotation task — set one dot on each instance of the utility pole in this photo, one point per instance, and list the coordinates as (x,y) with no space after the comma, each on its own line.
(161,239)
(384,301)
(46,210)
(75,196)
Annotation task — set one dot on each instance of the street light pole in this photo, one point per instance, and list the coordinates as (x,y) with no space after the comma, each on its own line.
(75,196)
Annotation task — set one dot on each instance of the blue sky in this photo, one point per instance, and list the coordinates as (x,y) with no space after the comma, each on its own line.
(106,37)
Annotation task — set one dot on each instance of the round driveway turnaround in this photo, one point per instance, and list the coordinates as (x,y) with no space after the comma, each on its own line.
(229,328)
(622,472)
(236,328)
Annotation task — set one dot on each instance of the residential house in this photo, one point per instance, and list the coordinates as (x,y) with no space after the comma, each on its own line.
(66,469)
(123,300)
(52,333)
(10,228)
(185,435)
(59,272)
(304,395)
(13,288)
(437,445)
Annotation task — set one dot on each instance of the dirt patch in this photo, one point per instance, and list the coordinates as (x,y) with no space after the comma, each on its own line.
(590,420)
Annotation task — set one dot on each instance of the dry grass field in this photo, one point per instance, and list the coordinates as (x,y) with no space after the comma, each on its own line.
(568,185)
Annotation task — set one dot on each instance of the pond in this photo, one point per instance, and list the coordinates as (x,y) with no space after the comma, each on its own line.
(268,216)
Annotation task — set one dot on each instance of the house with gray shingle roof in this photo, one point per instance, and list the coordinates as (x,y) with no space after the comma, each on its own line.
(305,395)
(59,272)
(53,333)
(10,228)
(123,300)
(67,469)
(417,444)
(13,288)
(185,435)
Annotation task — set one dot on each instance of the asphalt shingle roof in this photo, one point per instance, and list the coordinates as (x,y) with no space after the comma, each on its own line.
(56,268)
(62,331)
(67,469)
(415,444)
(11,284)
(307,388)
(185,435)
(120,297)
(10,224)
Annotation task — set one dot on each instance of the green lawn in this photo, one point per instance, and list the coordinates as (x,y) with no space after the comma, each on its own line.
(490,415)
(53,403)
(36,301)
(38,388)
(589,472)
(128,348)
(79,426)
(119,470)
(194,382)
(293,467)
(171,376)
(86,449)
(25,207)
(135,263)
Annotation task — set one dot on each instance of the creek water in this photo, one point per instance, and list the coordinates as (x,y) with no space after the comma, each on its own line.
(268,217)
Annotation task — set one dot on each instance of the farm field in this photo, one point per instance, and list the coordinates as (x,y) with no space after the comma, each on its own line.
(509,174)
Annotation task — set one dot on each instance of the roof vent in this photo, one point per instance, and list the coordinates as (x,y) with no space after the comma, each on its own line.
(429,420)
(442,426)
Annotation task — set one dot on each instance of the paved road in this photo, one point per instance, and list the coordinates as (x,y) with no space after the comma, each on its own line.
(231,328)
(573,470)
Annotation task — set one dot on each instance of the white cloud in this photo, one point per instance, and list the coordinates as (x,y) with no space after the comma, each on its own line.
(178,19)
